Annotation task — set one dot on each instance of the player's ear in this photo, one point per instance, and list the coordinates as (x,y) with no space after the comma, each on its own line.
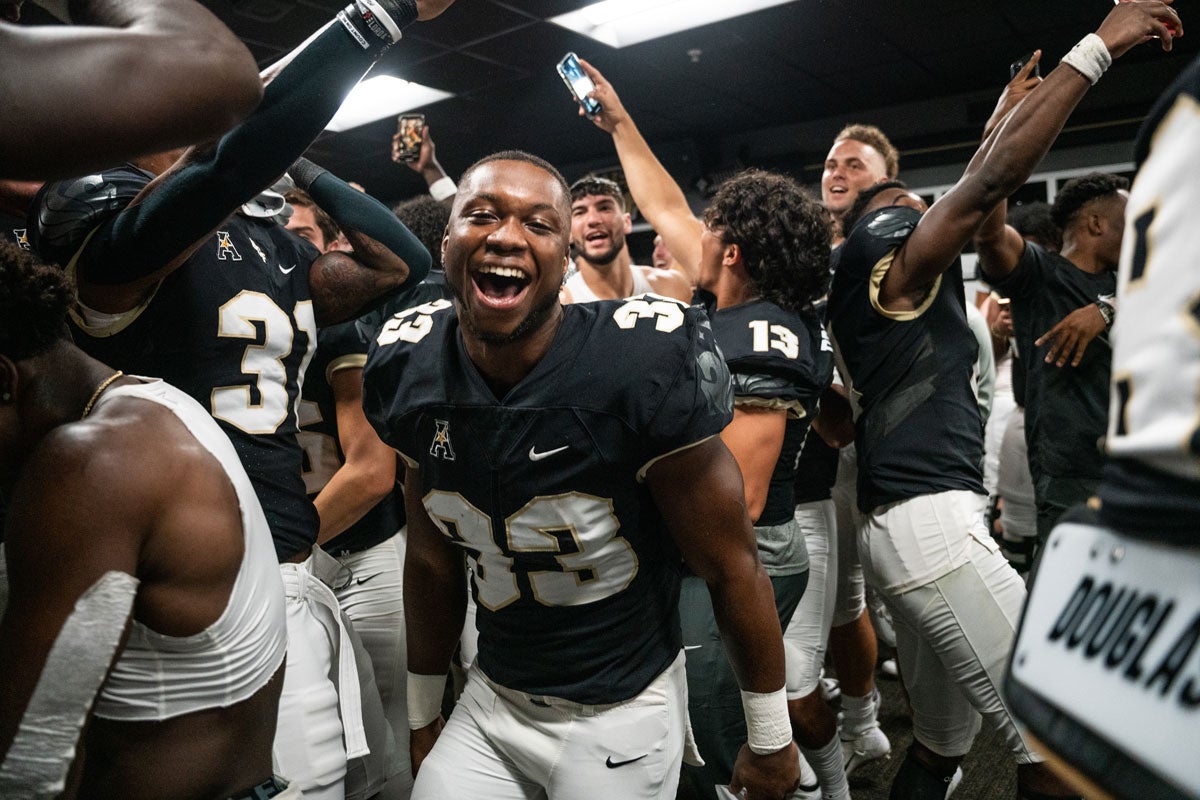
(731,256)
(628,223)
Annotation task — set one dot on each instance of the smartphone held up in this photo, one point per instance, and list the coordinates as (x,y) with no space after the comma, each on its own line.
(579,83)
(410,134)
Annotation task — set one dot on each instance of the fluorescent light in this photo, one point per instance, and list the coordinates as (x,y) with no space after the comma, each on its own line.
(619,23)
(379,97)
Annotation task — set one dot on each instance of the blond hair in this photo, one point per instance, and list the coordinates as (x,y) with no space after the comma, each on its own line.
(872,136)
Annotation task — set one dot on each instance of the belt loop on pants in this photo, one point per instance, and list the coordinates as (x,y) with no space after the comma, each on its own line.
(310,588)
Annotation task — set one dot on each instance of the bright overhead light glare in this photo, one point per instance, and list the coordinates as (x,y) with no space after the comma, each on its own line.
(619,23)
(379,97)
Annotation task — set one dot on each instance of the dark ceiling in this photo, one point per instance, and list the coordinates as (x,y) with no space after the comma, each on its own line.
(768,89)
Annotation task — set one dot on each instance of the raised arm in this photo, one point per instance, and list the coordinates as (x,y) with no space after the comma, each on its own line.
(441,185)
(656,193)
(131,77)
(699,491)
(1008,156)
(386,254)
(157,233)
(998,245)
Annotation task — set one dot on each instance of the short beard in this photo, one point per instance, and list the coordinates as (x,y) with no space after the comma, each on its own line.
(536,317)
(607,257)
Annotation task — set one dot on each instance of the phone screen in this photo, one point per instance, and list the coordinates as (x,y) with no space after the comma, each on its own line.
(411,130)
(579,83)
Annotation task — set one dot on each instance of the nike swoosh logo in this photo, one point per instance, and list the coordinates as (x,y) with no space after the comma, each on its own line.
(288,270)
(361,581)
(614,764)
(536,456)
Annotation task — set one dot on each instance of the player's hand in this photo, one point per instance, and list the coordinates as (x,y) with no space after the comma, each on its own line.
(428,9)
(1001,326)
(1014,92)
(769,777)
(612,113)
(1071,336)
(1132,22)
(422,740)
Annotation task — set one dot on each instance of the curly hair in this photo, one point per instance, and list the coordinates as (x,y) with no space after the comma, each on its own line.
(865,196)
(427,219)
(1078,192)
(34,301)
(872,136)
(782,232)
(1034,221)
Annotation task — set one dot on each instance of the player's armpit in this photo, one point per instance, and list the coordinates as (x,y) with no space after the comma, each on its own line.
(834,422)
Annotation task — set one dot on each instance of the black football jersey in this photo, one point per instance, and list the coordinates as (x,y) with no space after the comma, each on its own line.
(909,375)
(574,573)
(777,359)
(339,347)
(234,328)
(1066,408)
(14,230)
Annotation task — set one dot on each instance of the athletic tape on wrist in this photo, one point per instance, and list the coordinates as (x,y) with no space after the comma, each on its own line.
(303,172)
(442,188)
(424,699)
(1090,58)
(768,729)
(41,753)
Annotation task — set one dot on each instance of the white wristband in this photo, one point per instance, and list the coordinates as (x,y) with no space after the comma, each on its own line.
(424,699)
(1090,58)
(442,188)
(768,729)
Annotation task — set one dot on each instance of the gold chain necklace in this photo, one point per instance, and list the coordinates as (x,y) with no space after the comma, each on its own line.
(104,384)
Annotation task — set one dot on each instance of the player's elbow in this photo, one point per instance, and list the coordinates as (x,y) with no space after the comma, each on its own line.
(374,481)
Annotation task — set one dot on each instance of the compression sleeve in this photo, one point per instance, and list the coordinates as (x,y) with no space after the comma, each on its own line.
(358,211)
(191,201)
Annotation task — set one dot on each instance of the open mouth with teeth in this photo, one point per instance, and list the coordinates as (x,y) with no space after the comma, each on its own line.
(501,287)
(598,238)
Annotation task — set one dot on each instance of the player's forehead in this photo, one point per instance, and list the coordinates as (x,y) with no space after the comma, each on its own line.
(600,201)
(516,183)
(852,149)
